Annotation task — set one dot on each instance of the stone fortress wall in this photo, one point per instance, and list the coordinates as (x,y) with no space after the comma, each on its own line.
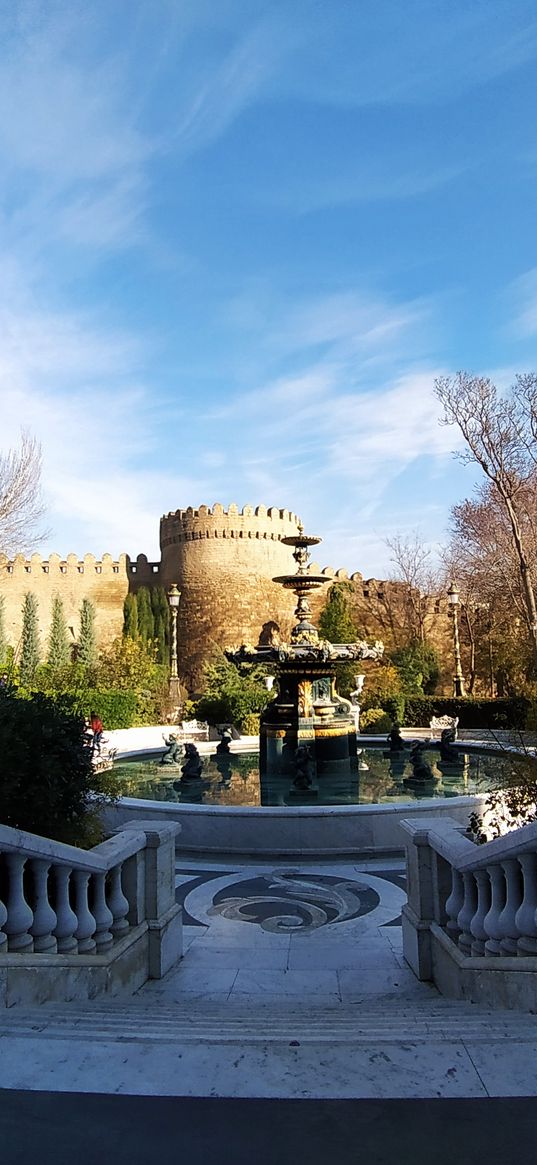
(223,562)
(104,581)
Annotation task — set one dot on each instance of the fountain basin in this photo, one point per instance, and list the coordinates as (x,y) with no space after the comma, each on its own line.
(288,831)
(292,830)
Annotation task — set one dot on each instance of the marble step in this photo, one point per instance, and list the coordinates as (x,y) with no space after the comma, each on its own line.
(174,1024)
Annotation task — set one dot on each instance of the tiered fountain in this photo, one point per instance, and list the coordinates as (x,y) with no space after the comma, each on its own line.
(308,730)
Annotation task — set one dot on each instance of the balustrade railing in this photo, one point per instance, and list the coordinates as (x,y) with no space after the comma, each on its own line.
(57,899)
(483,897)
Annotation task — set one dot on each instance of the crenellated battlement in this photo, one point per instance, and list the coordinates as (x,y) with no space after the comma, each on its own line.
(218,511)
(188,525)
(56,565)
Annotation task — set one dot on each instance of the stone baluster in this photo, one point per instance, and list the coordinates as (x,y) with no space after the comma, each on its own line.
(102,915)
(479,934)
(507,920)
(454,904)
(86,923)
(67,921)
(467,911)
(45,920)
(3,935)
(526,918)
(491,921)
(19,914)
(117,903)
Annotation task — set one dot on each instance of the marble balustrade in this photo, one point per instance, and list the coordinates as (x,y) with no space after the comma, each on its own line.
(58,899)
(484,898)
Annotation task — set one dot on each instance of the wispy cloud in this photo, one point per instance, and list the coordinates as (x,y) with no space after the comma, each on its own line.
(358,413)
(74,158)
(82,388)
(413,53)
(522,296)
(226,88)
(389,181)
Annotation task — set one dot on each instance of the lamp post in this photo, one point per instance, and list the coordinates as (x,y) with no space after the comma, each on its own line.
(458,678)
(174,598)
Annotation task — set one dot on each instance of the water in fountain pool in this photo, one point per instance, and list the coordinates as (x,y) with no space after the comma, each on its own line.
(381,777)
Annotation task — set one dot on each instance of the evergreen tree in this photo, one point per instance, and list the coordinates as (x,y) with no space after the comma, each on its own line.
(146,623)
(336,622)
(87,645)
(418,666)
(337,625)
(3,637)
(130,617)
(31,649)
(161,620)
(59,653)
(160,640)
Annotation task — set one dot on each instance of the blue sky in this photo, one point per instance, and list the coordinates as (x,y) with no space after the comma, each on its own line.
(238,241)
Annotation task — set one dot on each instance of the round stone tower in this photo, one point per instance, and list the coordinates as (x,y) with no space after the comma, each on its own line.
(223,562)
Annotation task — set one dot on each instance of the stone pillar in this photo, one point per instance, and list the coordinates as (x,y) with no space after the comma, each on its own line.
(164,916)
(418,912)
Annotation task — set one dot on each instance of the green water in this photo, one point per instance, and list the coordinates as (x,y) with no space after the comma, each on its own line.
(235,780)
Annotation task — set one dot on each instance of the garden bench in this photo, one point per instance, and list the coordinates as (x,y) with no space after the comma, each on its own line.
(197,728)
(438,723)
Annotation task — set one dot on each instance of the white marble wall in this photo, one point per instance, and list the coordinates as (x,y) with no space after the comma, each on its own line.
(309,831)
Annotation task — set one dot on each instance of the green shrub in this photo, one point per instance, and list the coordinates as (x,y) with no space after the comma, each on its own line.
(375,721)
(394,707)
(232,694)
(418,666)
(48,784)
(250,724)
(117,709)
(511,712)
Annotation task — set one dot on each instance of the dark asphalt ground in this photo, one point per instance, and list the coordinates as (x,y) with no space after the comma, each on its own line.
(86,1129)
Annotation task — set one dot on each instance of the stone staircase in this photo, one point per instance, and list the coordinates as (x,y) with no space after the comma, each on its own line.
(374,1021)
(380,1047)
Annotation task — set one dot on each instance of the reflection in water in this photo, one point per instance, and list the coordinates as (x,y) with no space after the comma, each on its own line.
(234,780)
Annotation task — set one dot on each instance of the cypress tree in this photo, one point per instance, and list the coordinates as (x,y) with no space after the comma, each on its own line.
(146,624)
(59,652)
(335,621)
(31,649)
(160,637)
(161,618)
(130,617)
(87,645)
(3,636)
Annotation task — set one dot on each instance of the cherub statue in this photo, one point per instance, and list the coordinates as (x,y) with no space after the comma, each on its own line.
(421,769)
(222,747)
(193,765)
(303,768)
(174,750)
(395,740)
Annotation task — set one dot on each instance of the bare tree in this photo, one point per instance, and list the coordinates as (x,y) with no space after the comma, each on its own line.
(481,556)
(414,568)
(21,507)
(500,432)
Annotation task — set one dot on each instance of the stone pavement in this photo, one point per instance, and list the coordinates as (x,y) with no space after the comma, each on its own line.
(293,985)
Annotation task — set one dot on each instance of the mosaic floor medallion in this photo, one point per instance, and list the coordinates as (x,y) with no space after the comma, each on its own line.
(286,901)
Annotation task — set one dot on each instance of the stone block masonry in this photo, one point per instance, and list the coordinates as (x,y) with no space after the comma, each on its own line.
(103,581)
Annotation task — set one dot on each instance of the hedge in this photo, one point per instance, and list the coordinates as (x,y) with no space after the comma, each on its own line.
(116,708)
(483,713)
